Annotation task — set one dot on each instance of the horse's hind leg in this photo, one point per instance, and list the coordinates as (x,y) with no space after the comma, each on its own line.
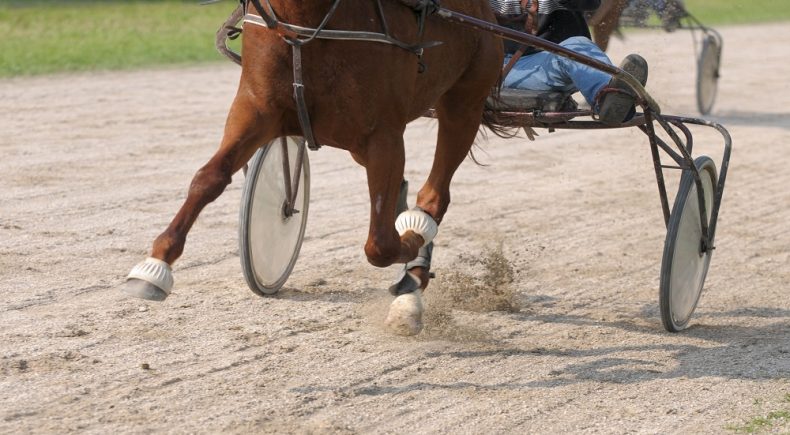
(152,279)
(459,117)
(606,20)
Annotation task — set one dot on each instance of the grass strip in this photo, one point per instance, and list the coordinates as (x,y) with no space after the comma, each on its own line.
(46,36)
(727,12)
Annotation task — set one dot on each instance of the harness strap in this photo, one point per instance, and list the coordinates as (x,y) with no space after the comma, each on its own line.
(530,9)
(512,62)
(301,105)
(300,32)
(269,18)
(230,31)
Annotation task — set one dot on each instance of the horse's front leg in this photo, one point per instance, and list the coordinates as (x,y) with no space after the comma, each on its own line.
(392,240)
(152,279)
(389,241)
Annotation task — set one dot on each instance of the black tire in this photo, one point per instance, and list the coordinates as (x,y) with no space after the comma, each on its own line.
(708,73)
(684,265)
(269,241)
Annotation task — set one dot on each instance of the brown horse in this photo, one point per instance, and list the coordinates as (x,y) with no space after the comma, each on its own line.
(605,20)
(360,96)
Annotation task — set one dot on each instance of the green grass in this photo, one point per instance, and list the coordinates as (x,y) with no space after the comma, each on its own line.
(718,12)
(772,422)
(46,36)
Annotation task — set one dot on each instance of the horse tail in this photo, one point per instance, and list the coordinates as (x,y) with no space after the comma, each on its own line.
(491,118)
(491,121)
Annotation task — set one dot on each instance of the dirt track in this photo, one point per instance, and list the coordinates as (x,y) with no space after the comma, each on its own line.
(94,166)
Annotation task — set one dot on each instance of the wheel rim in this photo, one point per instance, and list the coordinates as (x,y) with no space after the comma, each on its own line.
(689,264)
(708,74)
(271,240)
(685,265)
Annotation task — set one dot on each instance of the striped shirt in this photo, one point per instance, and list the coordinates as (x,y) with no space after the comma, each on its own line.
(557,20)
(545,7)
(506,7)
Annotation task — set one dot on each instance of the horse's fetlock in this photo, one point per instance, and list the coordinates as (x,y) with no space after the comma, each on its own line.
(435,210)
(434,203)
(168,246)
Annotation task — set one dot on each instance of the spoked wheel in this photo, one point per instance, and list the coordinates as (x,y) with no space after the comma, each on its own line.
(708,73)
(686,259)
(271,232)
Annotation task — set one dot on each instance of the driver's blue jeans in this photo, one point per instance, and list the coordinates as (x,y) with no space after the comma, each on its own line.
(543,71)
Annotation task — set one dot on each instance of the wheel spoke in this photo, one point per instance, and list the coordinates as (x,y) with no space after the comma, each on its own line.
(273,215)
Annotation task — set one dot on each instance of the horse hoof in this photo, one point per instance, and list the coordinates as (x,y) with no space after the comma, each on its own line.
(405,315)
(144,290)
(152,280)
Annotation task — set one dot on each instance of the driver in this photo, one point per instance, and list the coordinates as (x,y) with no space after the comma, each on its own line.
(562,22)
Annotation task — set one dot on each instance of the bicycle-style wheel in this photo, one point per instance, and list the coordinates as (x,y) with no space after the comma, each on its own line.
(269,236)
(708,73)
(686,259)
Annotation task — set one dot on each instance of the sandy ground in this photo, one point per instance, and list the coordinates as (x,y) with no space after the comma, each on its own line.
(94,166)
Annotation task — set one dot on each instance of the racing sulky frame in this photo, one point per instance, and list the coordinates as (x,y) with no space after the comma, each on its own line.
(690,221)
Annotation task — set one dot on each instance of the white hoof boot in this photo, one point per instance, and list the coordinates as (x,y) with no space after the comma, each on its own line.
(151,279)
(418,221)
(405,315)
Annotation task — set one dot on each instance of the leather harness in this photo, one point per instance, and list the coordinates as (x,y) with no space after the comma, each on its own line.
(529,15)
(297,36)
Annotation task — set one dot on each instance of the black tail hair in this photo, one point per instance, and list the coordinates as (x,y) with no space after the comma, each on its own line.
(491,116)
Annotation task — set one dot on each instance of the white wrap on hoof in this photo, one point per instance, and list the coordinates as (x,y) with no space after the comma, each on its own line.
(418,221)
(154,271)
(405,315)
